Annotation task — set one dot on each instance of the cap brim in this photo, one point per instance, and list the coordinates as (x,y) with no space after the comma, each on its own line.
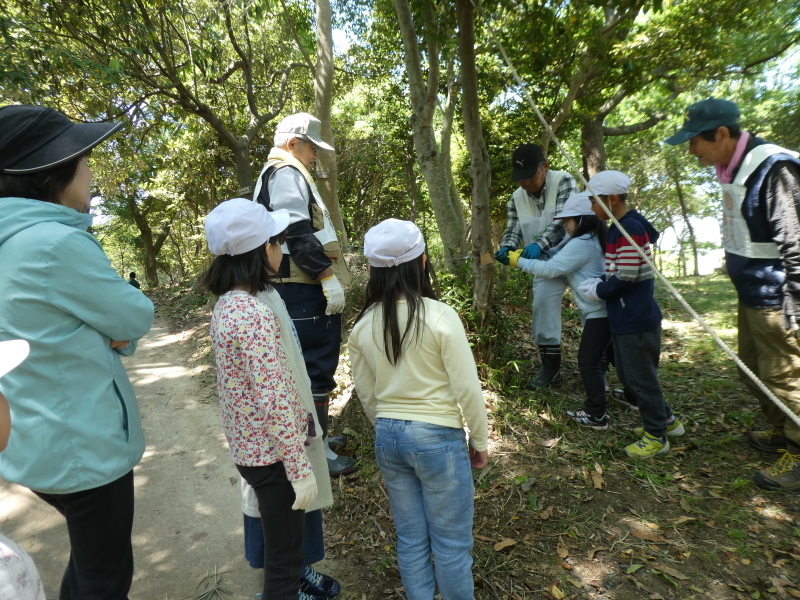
(73,142)
(281,219)
(320,144)
(524,174)
(12,353)
(682,136)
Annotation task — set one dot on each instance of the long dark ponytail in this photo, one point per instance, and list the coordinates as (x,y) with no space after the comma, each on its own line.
(410,281)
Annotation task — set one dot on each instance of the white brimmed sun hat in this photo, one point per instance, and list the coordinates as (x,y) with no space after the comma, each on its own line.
(606,183)
(393,242)
(576,205)
(239,225)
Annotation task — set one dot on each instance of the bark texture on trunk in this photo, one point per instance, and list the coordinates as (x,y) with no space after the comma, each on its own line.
(593,146)
(692,238)
(480,166)
(424,96)
(151,244)
(327,171)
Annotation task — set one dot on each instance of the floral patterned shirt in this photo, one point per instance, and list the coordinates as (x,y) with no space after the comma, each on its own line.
(18,576)
(263,416)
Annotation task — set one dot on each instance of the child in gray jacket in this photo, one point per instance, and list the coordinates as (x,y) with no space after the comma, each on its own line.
(581,258)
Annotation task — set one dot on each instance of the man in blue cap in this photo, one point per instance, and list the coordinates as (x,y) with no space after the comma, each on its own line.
(761,239)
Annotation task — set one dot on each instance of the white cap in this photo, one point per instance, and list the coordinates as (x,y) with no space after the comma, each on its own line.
(306,126)
(239,225)
(576,205)
(606,183)
(12,353)
(393,242)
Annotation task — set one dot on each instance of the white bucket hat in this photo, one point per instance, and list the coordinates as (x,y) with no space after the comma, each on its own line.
(304,125)
(393,242)
(606,183)
(239,225)
(576,205)
(12,353)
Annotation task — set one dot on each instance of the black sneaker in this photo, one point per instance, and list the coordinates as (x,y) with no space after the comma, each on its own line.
(584,419)
(319,585)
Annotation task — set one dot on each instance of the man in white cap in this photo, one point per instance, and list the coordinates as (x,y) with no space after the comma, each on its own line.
(540,196)
(313,270)
(761,238)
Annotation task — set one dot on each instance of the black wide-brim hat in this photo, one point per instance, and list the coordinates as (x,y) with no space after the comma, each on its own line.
(37,138)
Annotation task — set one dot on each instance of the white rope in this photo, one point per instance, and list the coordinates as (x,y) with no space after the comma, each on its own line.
(789,413)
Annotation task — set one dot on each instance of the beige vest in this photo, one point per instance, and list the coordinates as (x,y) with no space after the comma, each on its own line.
(323,231)
(532,221)
(735,232)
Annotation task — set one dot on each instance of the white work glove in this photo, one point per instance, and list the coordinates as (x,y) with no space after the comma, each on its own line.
(305,492)
(334,294)
(588,288)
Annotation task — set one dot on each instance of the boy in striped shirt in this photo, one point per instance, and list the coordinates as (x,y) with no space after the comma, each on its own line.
(633,314)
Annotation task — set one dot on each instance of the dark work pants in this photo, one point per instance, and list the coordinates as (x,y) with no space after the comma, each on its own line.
(99,523)
(636,357)
(282,528)
(320,334)
(594,342)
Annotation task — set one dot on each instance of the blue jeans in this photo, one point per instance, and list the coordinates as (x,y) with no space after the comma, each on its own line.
(429,481)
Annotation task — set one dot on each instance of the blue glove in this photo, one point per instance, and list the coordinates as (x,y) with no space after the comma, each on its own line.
(502,255)
(532,251)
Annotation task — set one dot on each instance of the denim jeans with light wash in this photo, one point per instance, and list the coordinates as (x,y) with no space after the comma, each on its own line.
(428,478)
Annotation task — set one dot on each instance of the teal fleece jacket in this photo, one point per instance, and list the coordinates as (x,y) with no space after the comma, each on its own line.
(75,421)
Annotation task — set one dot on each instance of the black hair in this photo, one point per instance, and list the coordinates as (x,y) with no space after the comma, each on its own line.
(410,281)
(132,275)
(593,225)
(250,270)
(734,130)
(46,186)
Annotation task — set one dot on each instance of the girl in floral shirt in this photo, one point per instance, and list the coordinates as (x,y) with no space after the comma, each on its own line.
(267,412)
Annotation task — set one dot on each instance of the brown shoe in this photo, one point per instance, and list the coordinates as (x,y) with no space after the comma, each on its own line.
(784,474)
(768,441)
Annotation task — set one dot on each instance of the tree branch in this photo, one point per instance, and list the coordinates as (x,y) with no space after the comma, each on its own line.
(296,37)
(234,66)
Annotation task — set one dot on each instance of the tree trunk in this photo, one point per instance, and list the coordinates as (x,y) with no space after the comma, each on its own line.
(688,223)
(411,178)
(244,170)
(593,146)
(480,166)
(447,134)
(150,247)
(423,102)
(327,172)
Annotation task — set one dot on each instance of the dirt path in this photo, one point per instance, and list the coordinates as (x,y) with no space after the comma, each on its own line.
(188,510)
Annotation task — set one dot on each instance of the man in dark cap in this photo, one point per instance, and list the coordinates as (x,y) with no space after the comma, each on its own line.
(540,196)
(761,239)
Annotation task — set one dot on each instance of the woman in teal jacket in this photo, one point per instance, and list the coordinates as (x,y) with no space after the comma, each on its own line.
(77,432)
